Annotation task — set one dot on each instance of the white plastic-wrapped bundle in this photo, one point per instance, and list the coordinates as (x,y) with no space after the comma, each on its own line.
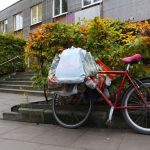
(70,67)
(74,65)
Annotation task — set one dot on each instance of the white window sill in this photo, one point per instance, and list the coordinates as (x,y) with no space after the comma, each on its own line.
(32,24)
(59,15)
(15,30)
(92,4)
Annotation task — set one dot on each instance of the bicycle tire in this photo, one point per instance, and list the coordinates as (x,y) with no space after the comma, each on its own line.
(72,111)
(139,118)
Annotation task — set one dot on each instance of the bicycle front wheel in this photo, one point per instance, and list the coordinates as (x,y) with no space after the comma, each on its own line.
(71,111)
(138,118)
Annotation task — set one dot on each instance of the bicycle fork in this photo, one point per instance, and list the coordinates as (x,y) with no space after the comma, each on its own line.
(112,106)
(110,115)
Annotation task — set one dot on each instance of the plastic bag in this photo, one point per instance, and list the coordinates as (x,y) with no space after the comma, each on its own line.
(54,65)
(70,67)
(90,67)
(53,84)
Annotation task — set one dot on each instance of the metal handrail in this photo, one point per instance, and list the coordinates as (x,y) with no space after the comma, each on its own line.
(9,60)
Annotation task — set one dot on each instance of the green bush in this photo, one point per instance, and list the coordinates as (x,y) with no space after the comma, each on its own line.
(106,39)
(10,47)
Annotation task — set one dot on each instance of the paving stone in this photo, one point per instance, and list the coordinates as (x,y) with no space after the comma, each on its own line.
(7,126)
(99,139)
(25,133)
(17,145)
(134,141)
(51,147)
(59,136)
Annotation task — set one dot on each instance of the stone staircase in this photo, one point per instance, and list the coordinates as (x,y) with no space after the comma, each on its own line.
(19,83)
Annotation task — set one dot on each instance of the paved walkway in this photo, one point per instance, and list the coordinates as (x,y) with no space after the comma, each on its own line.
(28,136)
(8,100)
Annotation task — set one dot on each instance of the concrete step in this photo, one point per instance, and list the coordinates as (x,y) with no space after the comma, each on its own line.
(21,76)
(13,116)
(25,73)
(19,91)
(19,83)
(18,75)
(16,82)
(97,118)
(25,87)
(19,79)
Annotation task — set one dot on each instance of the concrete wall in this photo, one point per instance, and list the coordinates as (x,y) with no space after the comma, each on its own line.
(89,13)
(25,7)
(74,5)
(136,10)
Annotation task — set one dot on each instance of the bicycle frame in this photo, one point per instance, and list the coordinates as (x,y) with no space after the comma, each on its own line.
(114,105)
(125,75)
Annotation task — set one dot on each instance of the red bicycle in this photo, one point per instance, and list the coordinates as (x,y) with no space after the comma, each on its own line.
(72,111)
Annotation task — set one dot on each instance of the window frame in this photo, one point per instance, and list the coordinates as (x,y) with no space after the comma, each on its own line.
(37,14)
(2,26)
(60,9)
(20,28)
(92,3)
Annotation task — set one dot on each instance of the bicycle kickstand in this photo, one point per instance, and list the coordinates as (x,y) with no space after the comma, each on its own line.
(108,122)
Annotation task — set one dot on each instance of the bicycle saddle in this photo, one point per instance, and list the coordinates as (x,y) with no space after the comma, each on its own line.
(131,59)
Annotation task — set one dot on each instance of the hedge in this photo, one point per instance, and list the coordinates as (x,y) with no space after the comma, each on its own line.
(106,39)
(10,47)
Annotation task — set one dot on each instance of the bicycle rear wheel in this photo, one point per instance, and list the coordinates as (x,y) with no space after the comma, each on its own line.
(138,118)
(71,111)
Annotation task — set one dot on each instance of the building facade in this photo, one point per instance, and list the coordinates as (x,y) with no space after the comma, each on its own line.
(26,15)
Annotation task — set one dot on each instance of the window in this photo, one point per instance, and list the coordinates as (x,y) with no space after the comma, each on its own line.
(4,26)
(86,3)
(36,14)
(18,22)
(59,7)
(1,27)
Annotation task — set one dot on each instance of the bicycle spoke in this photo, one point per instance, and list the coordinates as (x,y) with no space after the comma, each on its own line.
(135,111)
(136,99)
(138,115)
(70,111)
(146,121)
(138,118)
(76,117)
